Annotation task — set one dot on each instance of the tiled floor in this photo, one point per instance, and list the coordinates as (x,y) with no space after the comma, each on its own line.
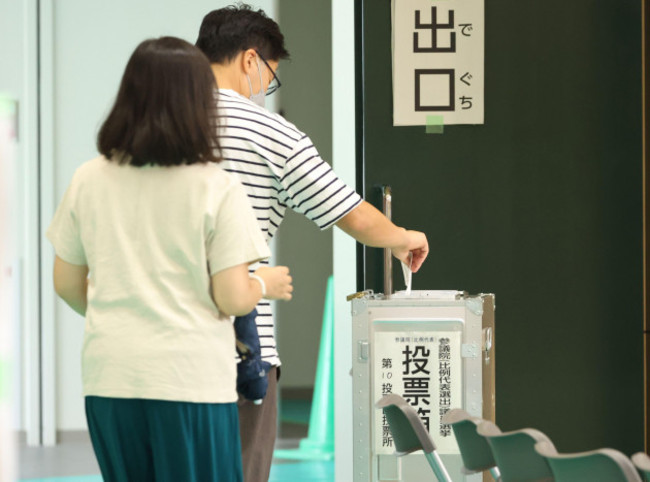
(297,471)
(71,457)
(79,478)
(77,460)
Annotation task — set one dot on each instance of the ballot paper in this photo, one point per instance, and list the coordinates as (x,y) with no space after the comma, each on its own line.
(408,274)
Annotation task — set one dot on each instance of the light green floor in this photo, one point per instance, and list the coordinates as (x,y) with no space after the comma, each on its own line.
(303,471)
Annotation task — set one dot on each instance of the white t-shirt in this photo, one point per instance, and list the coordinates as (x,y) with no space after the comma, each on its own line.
(152,236)
(279,168)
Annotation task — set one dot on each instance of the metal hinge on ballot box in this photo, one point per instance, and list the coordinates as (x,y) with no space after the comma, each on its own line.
(429,294)
(436,350)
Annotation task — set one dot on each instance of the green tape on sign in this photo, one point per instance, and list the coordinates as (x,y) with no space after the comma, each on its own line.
(435,124)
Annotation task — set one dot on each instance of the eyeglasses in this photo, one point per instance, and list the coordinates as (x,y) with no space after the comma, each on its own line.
(275,83)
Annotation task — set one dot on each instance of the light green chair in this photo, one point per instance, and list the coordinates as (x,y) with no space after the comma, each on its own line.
(642,463)
(603,465)
(409,433)
(515,455)
(474,448)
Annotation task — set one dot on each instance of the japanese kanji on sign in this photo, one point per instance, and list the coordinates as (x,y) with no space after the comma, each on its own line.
(438,62)
(426,369)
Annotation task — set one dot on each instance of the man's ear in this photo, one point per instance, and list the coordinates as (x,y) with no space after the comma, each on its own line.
(249,61)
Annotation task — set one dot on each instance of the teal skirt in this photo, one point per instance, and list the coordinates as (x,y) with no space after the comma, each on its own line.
(156,440)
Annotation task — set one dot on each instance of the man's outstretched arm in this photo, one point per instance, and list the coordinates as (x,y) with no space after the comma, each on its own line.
(369,226)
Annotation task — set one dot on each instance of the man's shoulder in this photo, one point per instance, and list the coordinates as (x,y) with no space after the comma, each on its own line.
(236,109)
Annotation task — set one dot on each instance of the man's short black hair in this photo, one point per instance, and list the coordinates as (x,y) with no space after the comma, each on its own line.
(165,110)
(230,30)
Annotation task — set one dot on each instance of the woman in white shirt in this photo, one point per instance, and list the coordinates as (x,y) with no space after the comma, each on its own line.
(153,241)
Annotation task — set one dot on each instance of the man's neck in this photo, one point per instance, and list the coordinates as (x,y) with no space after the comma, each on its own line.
(228,78)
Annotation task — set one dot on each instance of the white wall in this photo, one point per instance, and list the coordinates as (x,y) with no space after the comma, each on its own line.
(8,283)
(11,47)
(18,81)
(11,87)
(92,41)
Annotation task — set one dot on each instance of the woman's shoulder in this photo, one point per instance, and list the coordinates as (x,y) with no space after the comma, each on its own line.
(209,175)
(213,176)
(91,165)
(88,170)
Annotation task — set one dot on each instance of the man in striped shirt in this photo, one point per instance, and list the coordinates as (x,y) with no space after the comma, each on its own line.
(279,168)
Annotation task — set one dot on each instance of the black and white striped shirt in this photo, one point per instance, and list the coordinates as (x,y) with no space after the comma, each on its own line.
(279,168)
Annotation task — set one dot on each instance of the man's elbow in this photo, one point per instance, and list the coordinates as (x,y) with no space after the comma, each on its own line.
(355,222)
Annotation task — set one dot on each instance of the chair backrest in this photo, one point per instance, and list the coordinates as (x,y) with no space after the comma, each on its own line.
(642,463)
(603,465)
(474,448)
(408,431)
(515,455)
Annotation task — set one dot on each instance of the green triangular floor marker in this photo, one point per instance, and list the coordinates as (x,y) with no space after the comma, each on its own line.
(319,444)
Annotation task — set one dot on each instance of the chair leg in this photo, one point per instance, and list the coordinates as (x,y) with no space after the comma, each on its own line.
(496,475)
(438,467)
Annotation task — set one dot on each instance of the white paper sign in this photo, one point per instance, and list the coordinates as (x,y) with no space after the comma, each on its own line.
(426,369)
(438,62)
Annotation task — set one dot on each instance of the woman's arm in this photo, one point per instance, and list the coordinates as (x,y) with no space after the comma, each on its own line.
(71,284)
(235,293)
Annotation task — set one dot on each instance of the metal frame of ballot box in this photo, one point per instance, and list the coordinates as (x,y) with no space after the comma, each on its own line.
(435,349)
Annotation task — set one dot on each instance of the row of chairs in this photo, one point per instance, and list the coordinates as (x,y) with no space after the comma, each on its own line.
(525,455)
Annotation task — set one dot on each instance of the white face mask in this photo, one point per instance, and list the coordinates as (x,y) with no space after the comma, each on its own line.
(260,97)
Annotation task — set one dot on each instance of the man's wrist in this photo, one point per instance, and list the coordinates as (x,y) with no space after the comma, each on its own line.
(403,241)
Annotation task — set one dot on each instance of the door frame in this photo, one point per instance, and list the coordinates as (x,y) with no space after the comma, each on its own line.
(645,75)
(344,247)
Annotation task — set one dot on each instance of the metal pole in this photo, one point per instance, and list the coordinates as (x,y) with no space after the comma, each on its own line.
(388,256)
(496,475)
(438,467)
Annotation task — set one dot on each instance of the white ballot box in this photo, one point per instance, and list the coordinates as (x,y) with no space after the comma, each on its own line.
(435,349)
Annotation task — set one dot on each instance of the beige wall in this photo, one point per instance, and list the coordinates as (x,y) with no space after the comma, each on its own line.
(306,100)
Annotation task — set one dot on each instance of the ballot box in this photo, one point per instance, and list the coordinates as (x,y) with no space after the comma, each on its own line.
(435,349)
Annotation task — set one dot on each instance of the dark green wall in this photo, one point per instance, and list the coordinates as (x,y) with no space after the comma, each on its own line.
(541,205)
